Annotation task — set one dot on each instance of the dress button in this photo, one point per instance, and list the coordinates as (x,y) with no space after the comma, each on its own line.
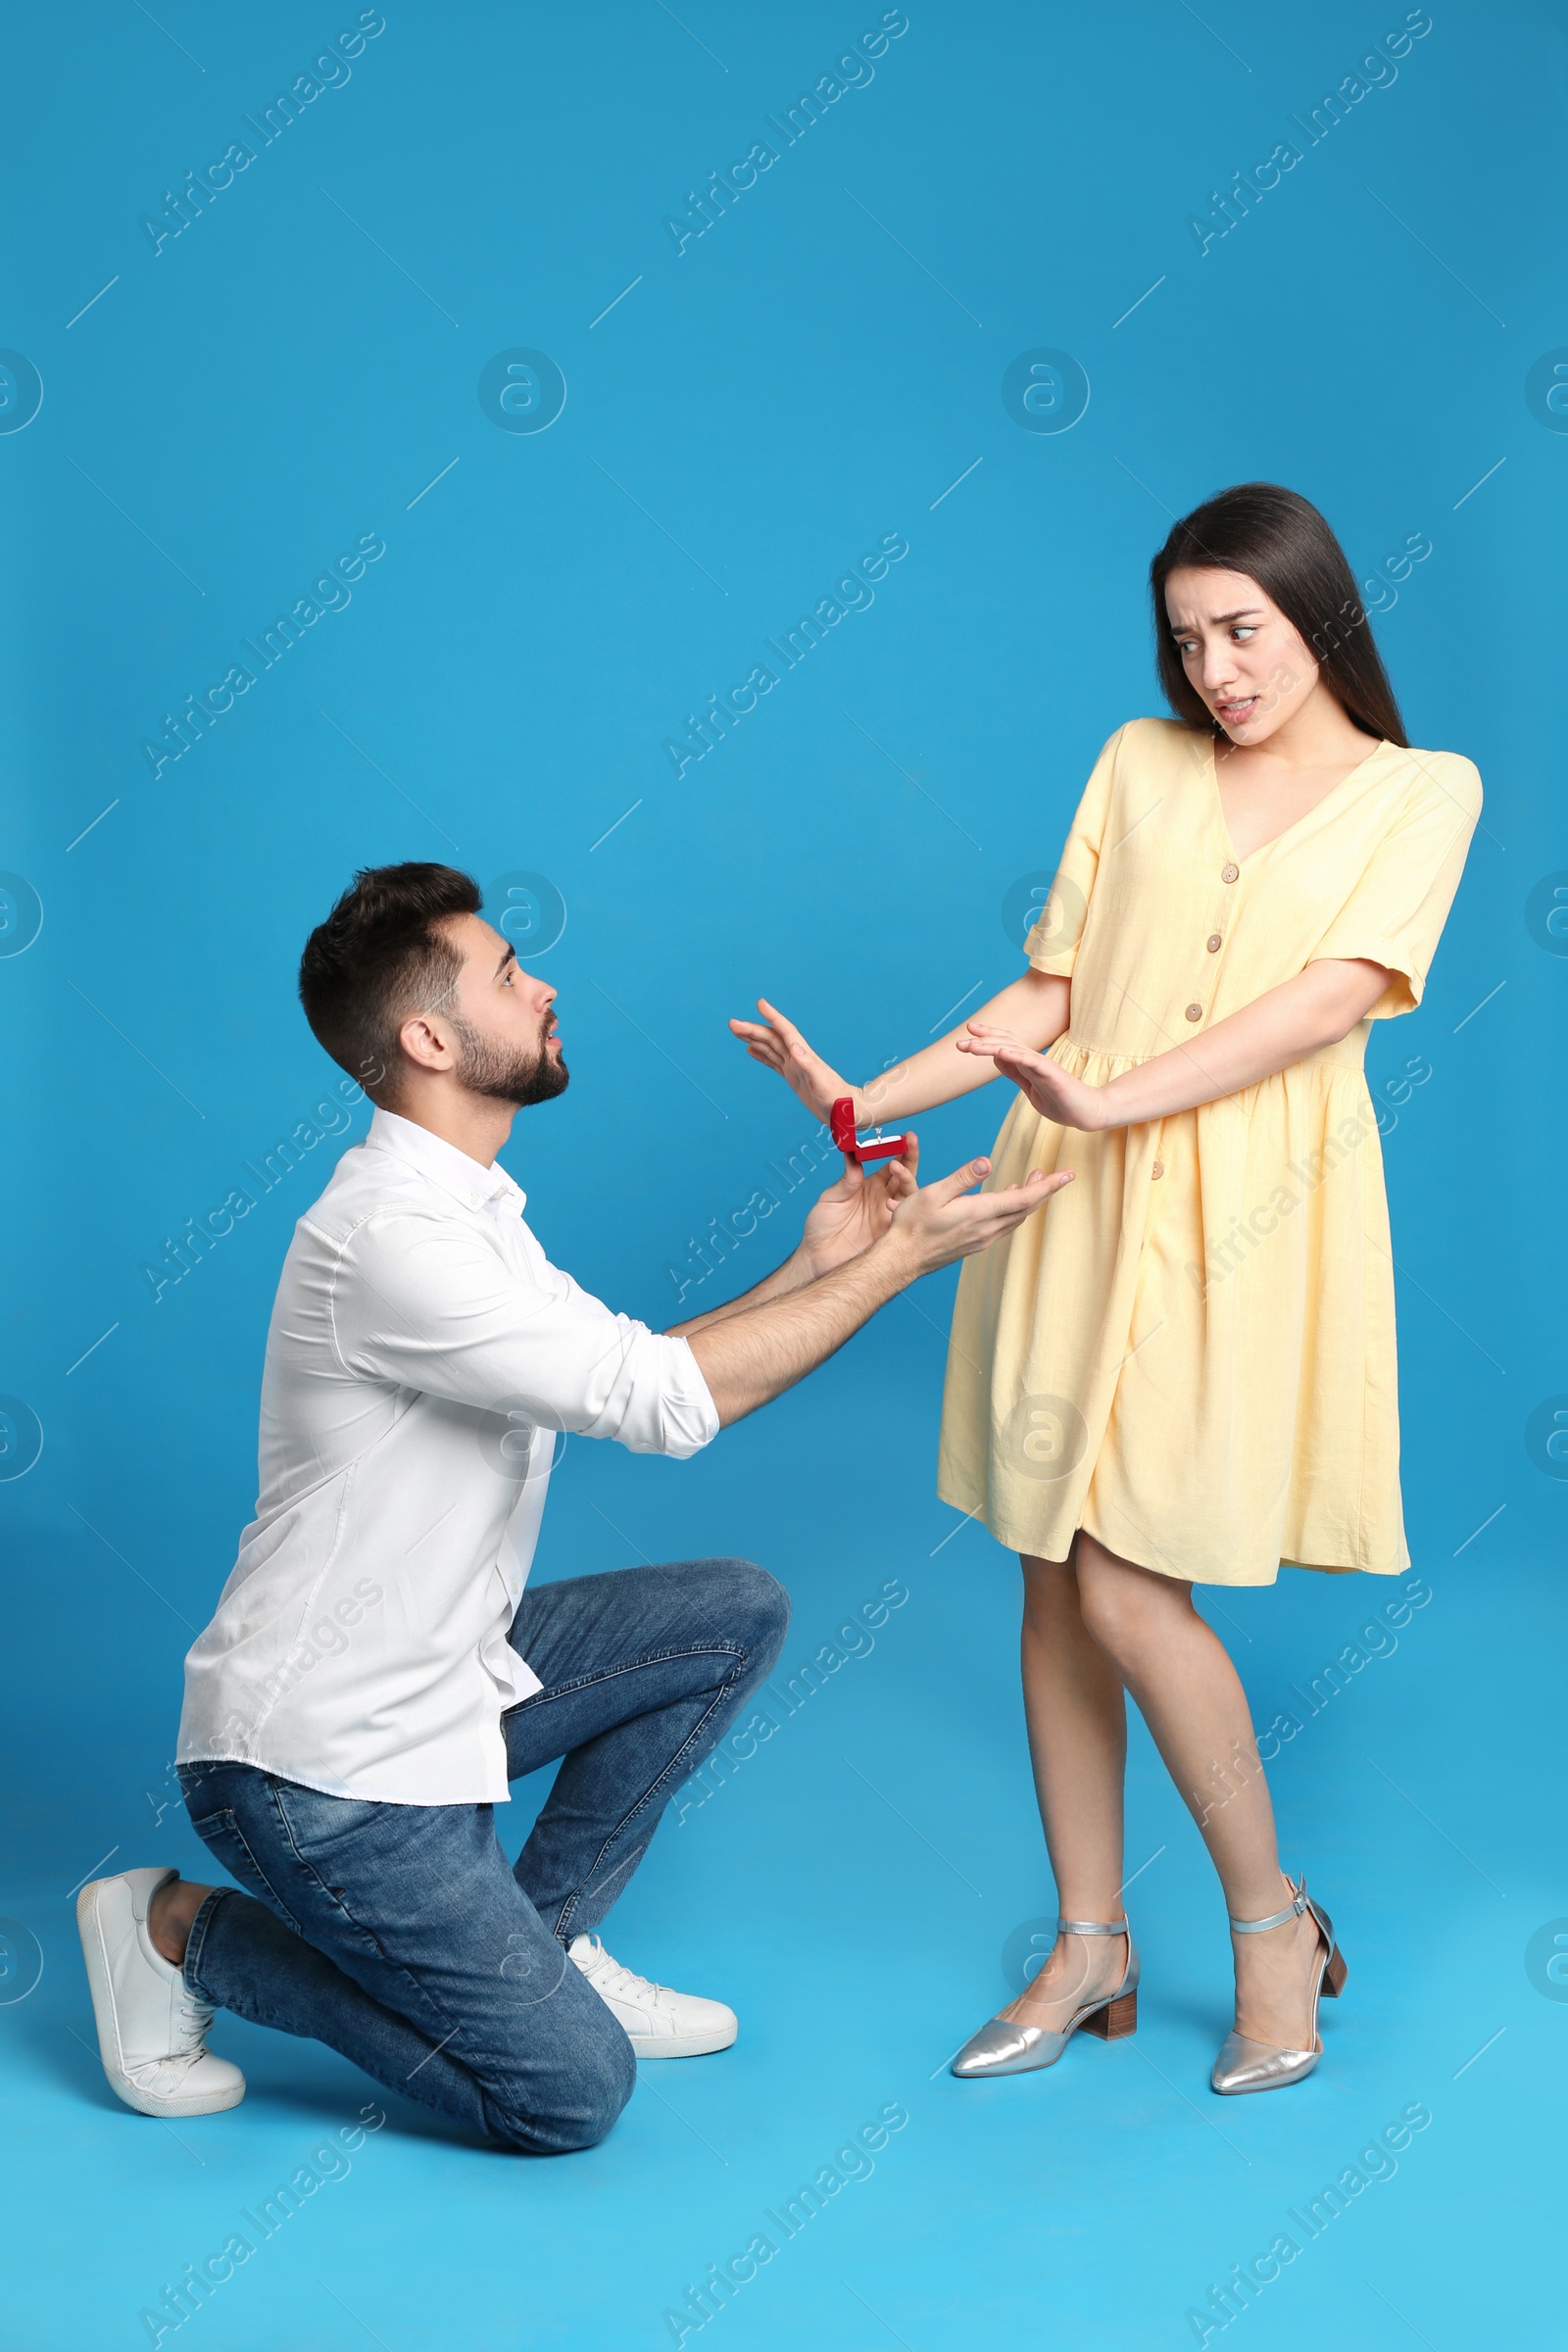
(1158,1168)
(1229,873)
(1213,942)
(1195,1012)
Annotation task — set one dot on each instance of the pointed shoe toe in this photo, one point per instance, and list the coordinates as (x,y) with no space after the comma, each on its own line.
(1247,2065)
(1003,2048)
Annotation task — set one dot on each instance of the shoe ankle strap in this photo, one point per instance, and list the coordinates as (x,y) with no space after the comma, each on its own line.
(1092,1926)
(1276,1919)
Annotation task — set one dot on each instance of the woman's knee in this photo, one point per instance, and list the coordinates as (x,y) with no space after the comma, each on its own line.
(1128,1609)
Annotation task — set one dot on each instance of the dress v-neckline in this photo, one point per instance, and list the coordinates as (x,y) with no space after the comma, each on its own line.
(1381,745)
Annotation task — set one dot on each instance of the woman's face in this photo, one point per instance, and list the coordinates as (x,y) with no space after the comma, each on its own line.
(1244,658)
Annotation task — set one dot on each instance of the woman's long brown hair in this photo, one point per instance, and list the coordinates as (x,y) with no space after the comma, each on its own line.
(1283,543)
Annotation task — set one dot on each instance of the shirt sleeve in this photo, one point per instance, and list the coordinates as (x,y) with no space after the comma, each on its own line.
(1052,944)
(440,1312)
(1396,913)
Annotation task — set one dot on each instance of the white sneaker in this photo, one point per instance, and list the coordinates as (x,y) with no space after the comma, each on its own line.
(660,2023)
(152,2030)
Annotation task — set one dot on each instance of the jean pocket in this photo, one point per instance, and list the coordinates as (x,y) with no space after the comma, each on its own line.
(223,1836)
(324,1830)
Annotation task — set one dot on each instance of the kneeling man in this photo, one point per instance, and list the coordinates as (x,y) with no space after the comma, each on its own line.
(378,1670)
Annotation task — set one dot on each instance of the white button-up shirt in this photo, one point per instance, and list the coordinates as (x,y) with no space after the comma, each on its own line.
(423,1358)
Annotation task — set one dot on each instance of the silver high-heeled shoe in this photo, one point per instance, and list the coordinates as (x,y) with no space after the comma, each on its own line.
(1002,2047)
(1247,2065)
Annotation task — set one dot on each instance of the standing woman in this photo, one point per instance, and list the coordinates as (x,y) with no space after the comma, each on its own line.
(1183,1372)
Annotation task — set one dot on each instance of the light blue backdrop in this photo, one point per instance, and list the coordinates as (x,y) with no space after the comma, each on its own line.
(243,385)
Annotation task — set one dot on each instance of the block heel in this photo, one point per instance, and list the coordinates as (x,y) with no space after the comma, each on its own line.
(1116,2020)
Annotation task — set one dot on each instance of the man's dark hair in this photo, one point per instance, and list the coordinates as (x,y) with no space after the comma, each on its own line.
(378,958)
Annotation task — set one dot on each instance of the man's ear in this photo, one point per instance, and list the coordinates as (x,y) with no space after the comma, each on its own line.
(422,1039)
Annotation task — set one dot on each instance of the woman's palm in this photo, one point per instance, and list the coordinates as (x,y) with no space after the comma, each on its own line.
(778,1046)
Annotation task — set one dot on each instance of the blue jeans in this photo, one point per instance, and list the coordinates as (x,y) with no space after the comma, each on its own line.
(400,1934)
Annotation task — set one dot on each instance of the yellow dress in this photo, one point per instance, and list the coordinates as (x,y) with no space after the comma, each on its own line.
(1189,1351)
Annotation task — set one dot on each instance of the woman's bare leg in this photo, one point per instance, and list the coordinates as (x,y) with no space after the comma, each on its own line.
(1191,1697)
(1077,1721)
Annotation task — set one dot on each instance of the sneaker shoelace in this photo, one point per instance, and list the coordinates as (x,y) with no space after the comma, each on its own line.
(193,2021)
(608,1977)
(195,2016)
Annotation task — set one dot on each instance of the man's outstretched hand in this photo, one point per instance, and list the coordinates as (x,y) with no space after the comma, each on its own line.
(857,1211)
(947,1220)
(757,1348)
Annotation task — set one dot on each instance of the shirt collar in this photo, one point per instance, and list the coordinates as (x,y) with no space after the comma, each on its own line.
(444,1164)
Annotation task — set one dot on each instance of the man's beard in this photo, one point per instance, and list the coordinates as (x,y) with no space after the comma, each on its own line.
(507,1074)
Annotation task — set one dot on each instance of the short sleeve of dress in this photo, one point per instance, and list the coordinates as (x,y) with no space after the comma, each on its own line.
(1396,913)
(1052,943)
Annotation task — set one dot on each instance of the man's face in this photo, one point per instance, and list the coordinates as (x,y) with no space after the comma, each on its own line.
(504,1020)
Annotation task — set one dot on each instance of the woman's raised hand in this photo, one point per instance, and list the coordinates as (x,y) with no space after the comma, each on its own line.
(1053,1091)
(779,1045)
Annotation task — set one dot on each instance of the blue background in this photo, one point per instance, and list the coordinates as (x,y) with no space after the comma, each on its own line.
(221,420)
